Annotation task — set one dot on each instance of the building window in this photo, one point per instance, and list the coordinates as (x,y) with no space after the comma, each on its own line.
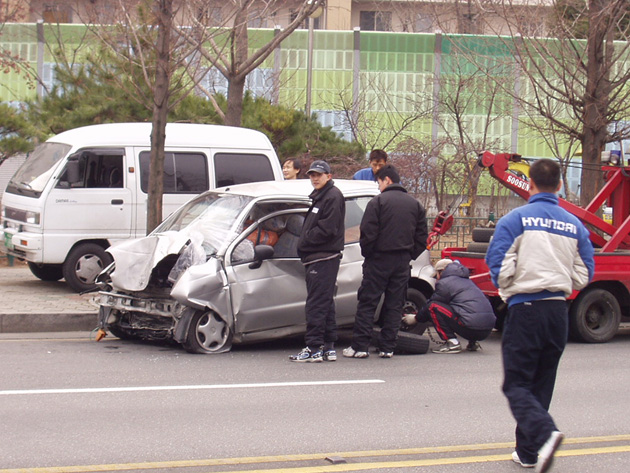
(469,23)
(376,21)
(54,13)
(304,25)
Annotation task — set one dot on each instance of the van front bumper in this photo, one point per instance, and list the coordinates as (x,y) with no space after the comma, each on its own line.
(23,245)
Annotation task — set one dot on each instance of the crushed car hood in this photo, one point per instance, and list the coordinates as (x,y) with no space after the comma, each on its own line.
(136,259)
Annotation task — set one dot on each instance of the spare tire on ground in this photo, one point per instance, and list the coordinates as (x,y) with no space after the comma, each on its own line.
(406,342)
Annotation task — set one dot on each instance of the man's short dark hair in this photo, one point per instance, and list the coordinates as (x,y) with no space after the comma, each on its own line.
(377,155)
(546,175)
(388,171)
(297,164)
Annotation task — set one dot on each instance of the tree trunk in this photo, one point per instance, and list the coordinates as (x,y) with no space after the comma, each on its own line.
(236,76)
(160,114)
(235,102)
(596,100)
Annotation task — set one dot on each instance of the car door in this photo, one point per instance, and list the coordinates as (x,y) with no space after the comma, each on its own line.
(270,295)
(351,267)
(98,203)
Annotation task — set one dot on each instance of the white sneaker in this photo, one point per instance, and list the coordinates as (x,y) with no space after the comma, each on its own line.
(352,353)
(516,459)
(548,450)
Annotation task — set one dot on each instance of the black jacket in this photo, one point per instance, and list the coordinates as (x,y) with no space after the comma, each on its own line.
(393,221)
(455,289)
(323,230)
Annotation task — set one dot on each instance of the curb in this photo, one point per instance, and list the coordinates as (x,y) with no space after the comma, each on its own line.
(29,323)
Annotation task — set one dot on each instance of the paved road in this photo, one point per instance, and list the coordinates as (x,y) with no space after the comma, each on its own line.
(69,404)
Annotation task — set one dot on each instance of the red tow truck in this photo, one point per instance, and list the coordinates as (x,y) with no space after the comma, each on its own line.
(597,310)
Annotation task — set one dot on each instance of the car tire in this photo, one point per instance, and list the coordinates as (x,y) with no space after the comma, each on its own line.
(594,316)
(83,264)
(208,333)
(482,234)
(46,272)
(406,342)
(414,302)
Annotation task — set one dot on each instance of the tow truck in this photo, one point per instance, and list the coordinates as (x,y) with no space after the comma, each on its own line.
(595,312)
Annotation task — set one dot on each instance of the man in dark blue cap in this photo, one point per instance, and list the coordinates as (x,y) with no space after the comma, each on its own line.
(319,247)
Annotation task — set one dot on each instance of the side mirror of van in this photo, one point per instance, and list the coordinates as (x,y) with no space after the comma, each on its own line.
(73,170)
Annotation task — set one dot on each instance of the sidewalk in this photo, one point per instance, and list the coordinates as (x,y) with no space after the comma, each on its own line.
(28,304)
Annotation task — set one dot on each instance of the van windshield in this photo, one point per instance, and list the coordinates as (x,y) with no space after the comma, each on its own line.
(34,174)
(212,215)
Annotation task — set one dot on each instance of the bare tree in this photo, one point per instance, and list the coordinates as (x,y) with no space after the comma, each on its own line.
(575,81)
(229,52)
(149,43)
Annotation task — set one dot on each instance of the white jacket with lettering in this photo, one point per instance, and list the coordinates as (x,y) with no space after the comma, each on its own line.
(540,251)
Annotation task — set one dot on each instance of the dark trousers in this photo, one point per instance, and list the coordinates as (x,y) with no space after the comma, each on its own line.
(534,337)
(447,323)
(388,274)
(321,326)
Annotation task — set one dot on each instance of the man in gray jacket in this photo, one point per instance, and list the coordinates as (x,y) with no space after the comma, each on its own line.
(456,307)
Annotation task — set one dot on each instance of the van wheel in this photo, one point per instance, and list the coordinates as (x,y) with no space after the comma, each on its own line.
(594,316)
(83,264)
(208,333)
(46,272)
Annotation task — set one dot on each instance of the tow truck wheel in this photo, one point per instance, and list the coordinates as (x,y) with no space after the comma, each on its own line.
(594,316)
(46,272)
(83,264)
(208,333)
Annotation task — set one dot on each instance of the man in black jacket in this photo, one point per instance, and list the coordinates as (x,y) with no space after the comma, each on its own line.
(456,307)
(393,232)
(319,247)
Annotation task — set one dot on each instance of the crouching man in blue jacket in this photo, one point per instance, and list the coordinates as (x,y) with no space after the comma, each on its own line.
(456,307)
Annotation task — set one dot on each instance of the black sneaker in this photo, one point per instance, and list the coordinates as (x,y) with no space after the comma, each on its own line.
(473,346)
(307,356)
(330,355)
(449,347)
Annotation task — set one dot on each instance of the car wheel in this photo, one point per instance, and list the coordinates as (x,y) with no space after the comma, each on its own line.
(406,342)
(594,316)
(208,333)
(83,264)
(414,302)
(46,272)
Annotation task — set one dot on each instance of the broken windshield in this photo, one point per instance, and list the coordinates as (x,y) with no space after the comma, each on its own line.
(214,216)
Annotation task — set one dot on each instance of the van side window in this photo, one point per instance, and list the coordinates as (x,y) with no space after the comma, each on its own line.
(96,170)
(239,168)
(184,173)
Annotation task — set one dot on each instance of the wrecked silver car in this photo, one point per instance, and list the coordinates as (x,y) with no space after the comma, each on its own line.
(224,269)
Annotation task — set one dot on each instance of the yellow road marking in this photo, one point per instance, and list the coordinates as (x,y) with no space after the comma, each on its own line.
(346,466)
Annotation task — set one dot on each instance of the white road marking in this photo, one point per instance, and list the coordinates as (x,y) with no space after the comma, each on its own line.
(188,388)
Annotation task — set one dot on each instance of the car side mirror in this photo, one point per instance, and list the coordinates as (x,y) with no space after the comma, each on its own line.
(261,253)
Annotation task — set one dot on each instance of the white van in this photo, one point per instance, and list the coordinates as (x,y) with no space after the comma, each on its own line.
(86,188)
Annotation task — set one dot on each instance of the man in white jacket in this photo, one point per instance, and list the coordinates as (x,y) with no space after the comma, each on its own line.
(539,254)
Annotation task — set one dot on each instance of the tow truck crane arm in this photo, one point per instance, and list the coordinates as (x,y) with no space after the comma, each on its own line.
(616,188)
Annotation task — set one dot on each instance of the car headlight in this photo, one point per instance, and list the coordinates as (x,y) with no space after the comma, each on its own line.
(32,218)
